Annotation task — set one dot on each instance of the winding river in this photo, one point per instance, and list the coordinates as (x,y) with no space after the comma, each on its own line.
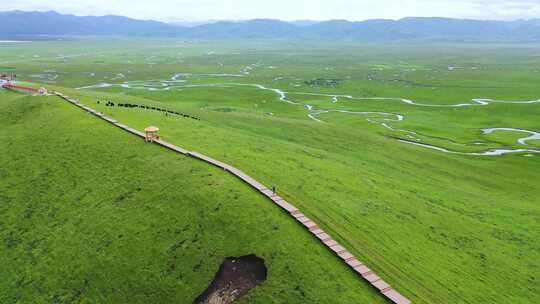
(522,141)
(178,82)
(492,152)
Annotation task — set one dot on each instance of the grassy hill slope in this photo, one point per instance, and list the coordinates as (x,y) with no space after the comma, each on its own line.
(92,214)
(441,228)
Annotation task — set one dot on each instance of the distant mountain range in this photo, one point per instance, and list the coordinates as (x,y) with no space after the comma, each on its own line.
(18,23)
(53,23)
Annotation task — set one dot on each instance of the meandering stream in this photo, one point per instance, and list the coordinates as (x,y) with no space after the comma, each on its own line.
(384,119)
(492,152)
(522,141)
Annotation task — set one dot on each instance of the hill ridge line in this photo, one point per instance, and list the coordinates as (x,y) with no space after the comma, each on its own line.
(420,29)
(348,258)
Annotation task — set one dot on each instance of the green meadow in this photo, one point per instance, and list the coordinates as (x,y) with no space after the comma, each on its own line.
(92,214)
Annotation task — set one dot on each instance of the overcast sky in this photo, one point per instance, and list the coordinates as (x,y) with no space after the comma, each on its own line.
(198,10)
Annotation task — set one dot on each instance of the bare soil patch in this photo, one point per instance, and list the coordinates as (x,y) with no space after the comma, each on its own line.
(235,278)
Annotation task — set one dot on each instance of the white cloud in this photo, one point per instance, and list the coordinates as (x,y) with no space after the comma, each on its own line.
(287,9)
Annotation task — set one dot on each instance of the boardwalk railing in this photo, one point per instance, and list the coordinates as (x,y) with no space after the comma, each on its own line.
(313,228)
(19,88)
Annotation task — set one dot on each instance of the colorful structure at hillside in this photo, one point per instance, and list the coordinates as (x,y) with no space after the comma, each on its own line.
(7,81)
(7,76)
(9,85)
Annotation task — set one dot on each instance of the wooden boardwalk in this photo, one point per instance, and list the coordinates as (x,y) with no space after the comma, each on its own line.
(340,251)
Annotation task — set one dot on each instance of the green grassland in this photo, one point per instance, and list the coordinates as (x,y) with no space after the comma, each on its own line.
(440,227)
(91,214)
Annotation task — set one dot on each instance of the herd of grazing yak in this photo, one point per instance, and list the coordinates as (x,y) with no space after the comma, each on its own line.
(144,107)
